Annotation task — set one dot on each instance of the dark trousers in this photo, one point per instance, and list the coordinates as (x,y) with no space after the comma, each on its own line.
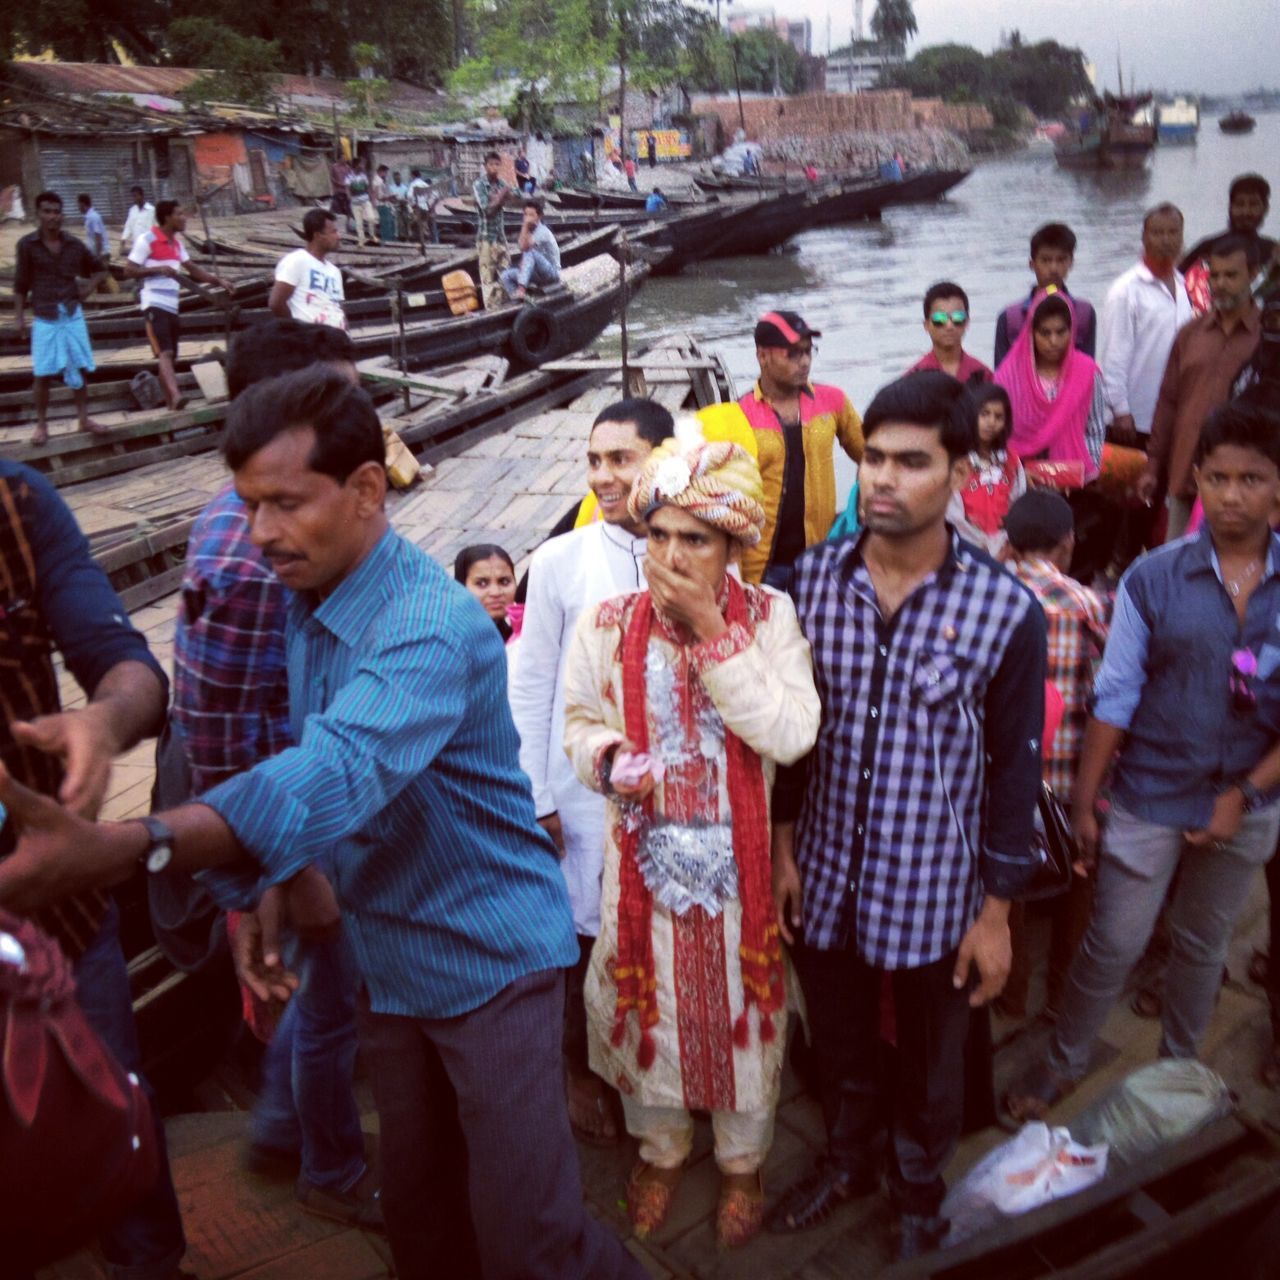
(480,1175)
(147,1243)
(926,1109)
(575,1009)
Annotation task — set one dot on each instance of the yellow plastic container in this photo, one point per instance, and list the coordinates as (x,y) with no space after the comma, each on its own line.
(460,292)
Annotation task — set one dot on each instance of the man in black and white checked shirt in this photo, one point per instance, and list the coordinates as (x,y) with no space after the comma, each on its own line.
(901,840)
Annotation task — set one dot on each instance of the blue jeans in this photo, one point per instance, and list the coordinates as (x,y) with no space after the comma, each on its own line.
(306,1103)
(534,268)
(147,1243)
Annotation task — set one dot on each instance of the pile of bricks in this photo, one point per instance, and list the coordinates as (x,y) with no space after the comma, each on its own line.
(852,131)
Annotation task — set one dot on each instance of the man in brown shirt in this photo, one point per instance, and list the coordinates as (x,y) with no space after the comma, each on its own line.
(1207,355)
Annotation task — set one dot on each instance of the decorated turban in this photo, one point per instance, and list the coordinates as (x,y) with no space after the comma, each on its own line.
(717,482)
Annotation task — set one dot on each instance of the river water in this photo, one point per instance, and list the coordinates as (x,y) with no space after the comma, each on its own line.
(862,284)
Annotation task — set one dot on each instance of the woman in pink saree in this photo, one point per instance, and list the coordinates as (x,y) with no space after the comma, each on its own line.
(1056,391)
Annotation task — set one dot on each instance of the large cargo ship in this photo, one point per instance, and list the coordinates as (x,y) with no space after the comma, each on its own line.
(1178,121)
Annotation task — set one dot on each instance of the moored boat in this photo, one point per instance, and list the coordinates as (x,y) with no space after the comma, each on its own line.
(1237,122)
(1104,135)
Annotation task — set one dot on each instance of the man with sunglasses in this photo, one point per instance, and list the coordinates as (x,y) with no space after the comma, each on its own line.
(796,424)
(946,321)
(1175,705)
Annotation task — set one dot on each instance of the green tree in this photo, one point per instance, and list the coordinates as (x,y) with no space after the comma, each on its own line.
(1043,77)
(894,23)
(238,68)
(84,30)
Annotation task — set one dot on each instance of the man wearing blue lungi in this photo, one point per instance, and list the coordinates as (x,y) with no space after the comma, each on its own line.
(50,267)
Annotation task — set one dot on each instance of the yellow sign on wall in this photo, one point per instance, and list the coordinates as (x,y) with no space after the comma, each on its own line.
(672,144)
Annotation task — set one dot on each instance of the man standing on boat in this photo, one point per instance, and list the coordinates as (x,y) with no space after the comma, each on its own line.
(796,425)
(539,255)
(308,286)
(50,267)
(1248,202)
(1145,309)
(568,575)
(900,841)
(1053,254)
(231,710)
(490,194)
(51,590)
(1206,357)
(1191,757)
(155,259)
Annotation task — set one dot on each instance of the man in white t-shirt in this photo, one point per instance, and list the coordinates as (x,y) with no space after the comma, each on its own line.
(308,286)
(423,199)
(141,217)
(157,258)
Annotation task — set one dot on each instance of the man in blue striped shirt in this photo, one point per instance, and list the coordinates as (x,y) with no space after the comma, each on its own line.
(406,782)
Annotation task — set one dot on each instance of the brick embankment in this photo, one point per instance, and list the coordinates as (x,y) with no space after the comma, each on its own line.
(853,131)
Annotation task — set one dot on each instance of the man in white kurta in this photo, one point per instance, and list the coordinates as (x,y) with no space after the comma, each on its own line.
(567,575)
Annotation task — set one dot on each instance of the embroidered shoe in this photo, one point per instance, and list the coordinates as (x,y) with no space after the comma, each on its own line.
(649,1194)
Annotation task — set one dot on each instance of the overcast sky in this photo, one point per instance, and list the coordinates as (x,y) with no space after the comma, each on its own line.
(1210,46)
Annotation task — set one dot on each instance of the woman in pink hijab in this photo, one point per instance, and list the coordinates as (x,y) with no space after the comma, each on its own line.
(1056,391)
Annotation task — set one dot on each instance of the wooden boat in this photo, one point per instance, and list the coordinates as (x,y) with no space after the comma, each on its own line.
(598,198)
(933,184)
(566,316)
(138,522)
(1237,122)
(1105,136)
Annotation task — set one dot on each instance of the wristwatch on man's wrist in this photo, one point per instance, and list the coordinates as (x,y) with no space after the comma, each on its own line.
(159,851)
(1253,798)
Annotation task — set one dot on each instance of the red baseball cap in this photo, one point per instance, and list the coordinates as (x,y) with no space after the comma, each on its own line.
(782,329)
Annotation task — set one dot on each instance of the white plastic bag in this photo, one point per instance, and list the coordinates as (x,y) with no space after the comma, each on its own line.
(1036,1165)
(1153,1106)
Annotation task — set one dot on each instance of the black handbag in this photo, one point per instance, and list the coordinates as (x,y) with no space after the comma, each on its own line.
(1053,847)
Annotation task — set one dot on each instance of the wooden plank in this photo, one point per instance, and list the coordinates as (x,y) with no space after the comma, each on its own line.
(611,362)
(130,461)
(152,588)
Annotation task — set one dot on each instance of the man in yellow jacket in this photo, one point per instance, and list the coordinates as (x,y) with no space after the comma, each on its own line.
(796,424)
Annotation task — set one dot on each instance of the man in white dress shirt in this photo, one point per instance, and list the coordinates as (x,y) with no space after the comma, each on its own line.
(1144,310)
(140,218)
(567,575)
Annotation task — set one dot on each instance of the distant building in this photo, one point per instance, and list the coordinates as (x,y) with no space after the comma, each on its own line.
(858,68)
(797,32)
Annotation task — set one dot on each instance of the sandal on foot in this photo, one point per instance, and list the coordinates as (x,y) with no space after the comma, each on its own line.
(604,1133)
(649,1194)
(1035,1094)
(740,1210)
(815,1198)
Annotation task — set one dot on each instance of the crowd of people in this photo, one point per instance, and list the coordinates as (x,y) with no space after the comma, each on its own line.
(562,856)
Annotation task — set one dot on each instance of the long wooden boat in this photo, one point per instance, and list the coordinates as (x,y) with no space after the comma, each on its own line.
(600,198)
(566,316)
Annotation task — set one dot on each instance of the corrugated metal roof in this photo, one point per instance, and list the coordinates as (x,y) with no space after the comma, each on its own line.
(94,78)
